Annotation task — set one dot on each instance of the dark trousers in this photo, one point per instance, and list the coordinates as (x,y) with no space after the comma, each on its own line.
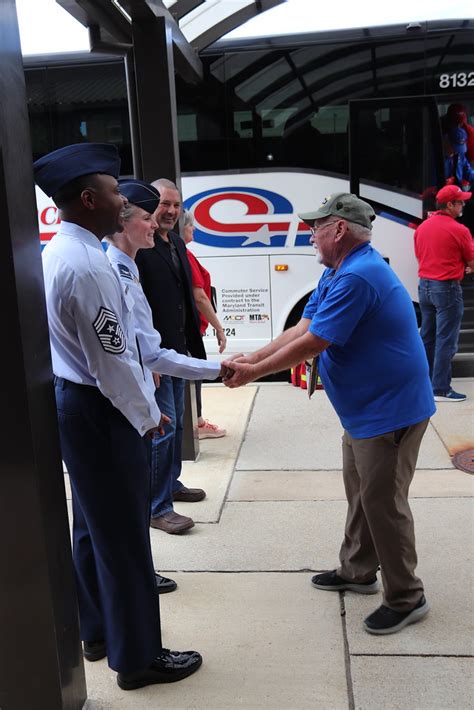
(379,525)
(110,481)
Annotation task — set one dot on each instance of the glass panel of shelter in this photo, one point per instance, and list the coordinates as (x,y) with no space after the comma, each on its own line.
(75,103)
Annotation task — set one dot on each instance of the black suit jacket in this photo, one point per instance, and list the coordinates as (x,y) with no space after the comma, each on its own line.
(168,292)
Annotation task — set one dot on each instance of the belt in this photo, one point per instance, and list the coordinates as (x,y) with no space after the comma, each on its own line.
(441,281)
(67,384)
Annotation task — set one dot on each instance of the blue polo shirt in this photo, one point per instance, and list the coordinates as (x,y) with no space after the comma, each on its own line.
(375,371)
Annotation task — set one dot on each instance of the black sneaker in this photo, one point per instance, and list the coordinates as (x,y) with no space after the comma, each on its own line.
(331,582)
(94,650)
(164,584)
(168,667)
(387,621)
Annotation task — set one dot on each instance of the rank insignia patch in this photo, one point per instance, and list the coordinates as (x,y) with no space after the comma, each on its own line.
(109,332)
(125,272)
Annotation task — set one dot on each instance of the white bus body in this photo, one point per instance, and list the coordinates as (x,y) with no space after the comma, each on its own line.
(249,237)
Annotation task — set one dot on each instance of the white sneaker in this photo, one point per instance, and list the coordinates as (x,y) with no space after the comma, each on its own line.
(210,431)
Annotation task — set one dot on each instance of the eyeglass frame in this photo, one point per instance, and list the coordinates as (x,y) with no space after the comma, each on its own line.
(318,228)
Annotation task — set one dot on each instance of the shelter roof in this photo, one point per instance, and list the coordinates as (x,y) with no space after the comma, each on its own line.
(199,22)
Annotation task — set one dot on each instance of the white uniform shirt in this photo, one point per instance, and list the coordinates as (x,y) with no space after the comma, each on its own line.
(88,319)
(154,357)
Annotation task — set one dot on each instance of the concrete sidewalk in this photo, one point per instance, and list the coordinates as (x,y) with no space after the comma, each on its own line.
(275,514)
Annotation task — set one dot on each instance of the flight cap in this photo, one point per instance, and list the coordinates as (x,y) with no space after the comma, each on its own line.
(140,193)
(55,170)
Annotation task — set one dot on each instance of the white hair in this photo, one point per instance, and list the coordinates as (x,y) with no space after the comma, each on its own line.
(188,218)
(359,232)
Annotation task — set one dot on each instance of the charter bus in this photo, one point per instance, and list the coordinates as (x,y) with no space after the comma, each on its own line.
(277,124)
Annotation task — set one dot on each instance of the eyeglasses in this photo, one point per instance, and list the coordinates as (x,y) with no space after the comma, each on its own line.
(318,227)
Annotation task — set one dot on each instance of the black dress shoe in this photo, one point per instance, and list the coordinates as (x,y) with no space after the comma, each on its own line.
(94,650)
(164,584)
(168,667)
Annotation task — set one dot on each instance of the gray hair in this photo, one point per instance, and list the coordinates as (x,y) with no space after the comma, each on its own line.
(188,218)
(164,183)
(359,232)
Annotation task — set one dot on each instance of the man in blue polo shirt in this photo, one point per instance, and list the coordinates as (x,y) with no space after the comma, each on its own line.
(361,323)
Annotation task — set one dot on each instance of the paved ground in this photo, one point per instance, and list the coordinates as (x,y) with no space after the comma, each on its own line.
(274,514)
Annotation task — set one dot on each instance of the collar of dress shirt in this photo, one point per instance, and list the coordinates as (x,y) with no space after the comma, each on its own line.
(119,257)
(71,229)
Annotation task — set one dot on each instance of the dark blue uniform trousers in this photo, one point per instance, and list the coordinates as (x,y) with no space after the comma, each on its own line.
(110,479)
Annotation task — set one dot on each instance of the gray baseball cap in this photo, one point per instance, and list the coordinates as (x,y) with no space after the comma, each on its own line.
(344,205)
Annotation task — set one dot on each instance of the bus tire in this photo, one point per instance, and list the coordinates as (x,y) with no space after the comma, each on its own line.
(296,312)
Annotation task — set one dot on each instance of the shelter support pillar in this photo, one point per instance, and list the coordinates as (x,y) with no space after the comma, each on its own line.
(156,147)
(156,99)
(40,651)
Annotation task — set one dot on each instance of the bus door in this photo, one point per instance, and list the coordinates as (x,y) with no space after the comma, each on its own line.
(396,163)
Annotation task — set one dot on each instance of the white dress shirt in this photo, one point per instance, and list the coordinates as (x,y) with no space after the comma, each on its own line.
(154,357)
(88,317)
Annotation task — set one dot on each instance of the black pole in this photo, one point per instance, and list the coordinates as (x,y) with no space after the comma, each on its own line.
(156,99)
(157,113)
(133,115)
(40,655)
(354,154)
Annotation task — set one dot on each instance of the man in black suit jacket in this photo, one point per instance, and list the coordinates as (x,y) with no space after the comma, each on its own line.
(166,279)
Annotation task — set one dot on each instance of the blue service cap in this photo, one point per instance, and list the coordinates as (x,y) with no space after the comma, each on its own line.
(140,193)
(56,169)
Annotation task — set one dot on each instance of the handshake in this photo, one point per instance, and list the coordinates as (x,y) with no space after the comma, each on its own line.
(237,371)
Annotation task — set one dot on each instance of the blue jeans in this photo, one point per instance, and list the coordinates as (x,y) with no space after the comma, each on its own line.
(442,307)
(166,450)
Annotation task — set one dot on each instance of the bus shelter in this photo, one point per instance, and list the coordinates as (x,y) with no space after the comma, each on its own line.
(158,39)
(40,649)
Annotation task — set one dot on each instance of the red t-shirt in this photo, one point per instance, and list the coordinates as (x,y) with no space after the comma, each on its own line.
(201,279)
(443,247)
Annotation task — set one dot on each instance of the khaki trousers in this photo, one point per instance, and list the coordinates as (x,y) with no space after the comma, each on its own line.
(379,526)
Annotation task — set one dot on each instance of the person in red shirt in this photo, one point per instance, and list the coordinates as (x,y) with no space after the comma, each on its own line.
(201,282)
(456,117)
(443,248)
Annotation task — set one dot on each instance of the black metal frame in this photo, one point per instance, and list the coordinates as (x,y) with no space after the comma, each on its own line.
(40,649)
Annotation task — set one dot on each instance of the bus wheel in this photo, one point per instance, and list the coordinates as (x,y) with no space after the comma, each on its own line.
(296,312)
(294,318)
(417,308)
